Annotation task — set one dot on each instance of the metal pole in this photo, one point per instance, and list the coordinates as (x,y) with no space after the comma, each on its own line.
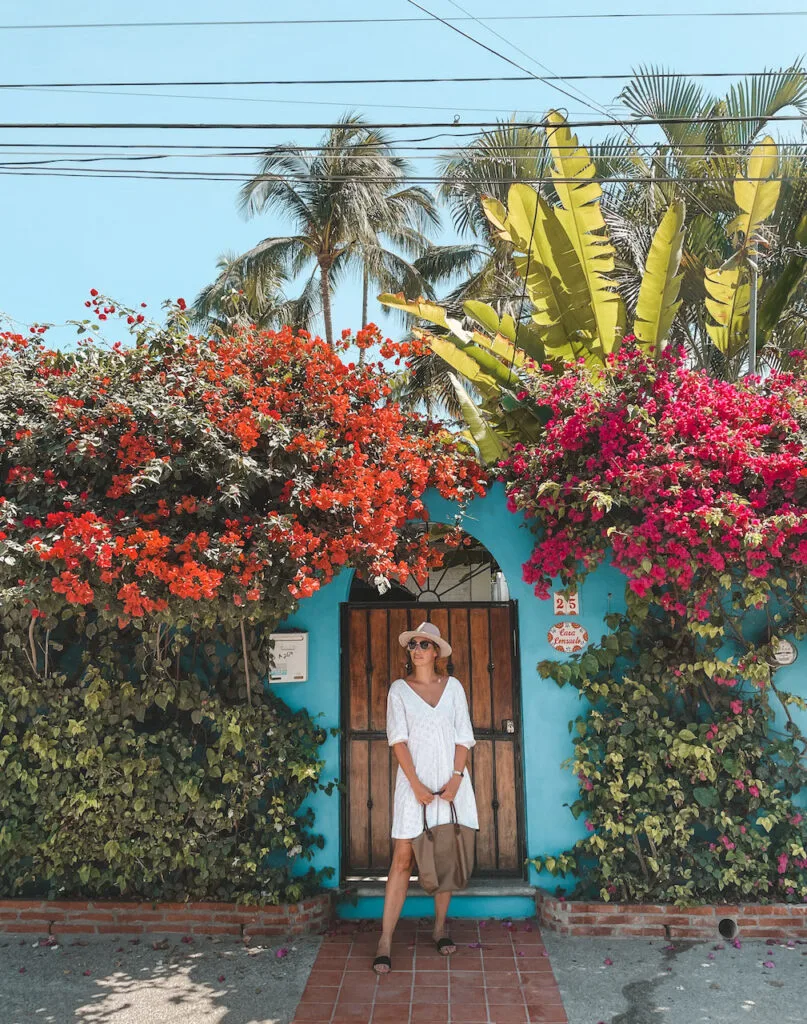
(752,320)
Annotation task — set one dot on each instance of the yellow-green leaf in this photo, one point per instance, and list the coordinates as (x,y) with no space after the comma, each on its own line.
(756,193)
(658,300)
(485,437)
(728,301)
(459,360)
(423,310)
(554,278)
(581,217)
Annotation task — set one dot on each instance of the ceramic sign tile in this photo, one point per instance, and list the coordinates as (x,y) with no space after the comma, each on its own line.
(568,637)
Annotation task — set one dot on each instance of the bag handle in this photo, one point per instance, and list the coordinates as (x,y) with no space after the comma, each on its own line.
(426,828)
(454,819)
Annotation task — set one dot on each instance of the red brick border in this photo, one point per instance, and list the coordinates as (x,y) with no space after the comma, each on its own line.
(99,917)
(624,920)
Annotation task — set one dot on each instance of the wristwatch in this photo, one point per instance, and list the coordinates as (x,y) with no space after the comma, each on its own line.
(455,772)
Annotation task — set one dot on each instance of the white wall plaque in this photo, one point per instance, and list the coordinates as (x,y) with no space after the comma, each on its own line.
(290,655)
(784,652)
(568,637)
(567,605)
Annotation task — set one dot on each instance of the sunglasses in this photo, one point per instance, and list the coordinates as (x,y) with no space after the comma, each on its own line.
(424,645)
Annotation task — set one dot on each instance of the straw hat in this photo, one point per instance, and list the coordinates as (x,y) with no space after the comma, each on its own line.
(426,631)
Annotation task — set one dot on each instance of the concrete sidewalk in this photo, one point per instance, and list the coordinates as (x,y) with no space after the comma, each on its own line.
(658,982)
(102,979)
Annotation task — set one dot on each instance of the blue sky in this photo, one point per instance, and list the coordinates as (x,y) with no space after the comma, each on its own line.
(147,240)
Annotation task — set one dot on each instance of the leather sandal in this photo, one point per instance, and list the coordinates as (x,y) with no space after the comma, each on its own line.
(382,961)
(441,944)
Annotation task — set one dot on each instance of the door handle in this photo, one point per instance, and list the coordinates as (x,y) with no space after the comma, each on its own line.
(508,725)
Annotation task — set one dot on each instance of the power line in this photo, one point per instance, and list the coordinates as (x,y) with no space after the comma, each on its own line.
(490,49)
(49,157)
(389,81)
(255,99)
(188,175)
(592,104)
(408,125)
(406,146)
(608,16)
(587,100)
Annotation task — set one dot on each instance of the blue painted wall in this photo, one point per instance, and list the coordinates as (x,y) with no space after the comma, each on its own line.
(545,712)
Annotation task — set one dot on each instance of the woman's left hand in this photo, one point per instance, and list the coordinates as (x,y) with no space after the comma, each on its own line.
(449,791)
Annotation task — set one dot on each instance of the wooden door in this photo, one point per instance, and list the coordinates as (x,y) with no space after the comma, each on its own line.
(483,637)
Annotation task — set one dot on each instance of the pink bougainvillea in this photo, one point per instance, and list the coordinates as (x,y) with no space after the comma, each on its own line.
(680,476)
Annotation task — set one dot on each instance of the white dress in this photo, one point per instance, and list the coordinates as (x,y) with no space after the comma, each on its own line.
(431,733)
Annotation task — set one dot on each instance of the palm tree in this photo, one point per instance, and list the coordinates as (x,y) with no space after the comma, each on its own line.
(698,162)
(482,261)
(351,211)
(240,299)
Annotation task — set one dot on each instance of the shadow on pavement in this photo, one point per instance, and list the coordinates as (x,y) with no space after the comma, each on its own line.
(152,979)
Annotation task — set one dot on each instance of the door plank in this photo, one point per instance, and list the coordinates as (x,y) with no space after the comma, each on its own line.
(480,676)
(358,818)
(502,657)
(460,659)
(398,623)
(379,793)
(357,646)
(482,778)
(380,659)
(506,817)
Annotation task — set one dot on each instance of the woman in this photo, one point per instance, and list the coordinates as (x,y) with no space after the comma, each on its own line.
(429,728)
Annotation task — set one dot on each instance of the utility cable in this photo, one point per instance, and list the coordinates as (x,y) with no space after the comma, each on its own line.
(253,99)
(586,99)
(190,175)
(605,16)
(490,49)
(403,125)
(388,81)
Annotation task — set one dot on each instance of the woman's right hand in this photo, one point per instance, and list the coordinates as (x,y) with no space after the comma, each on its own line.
(423,794)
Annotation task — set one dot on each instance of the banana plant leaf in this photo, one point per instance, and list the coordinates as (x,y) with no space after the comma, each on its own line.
(756,193)
(658,300)
(728,302)
(485,437)
(581,216)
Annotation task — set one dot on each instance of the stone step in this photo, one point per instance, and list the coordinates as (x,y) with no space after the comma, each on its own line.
(374,886)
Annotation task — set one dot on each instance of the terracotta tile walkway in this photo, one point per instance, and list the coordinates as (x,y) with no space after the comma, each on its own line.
(499,975)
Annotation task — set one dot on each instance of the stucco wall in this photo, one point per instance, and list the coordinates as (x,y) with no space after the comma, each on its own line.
(546,708)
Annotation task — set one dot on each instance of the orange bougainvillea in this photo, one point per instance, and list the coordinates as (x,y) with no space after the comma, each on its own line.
(240,471)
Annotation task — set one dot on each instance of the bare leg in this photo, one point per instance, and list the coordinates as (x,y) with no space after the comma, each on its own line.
(441,901)
(394,896)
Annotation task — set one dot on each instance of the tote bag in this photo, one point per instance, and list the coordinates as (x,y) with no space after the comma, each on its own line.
(444,855)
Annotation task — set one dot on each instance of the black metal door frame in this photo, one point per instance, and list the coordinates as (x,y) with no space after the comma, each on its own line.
(491,734)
